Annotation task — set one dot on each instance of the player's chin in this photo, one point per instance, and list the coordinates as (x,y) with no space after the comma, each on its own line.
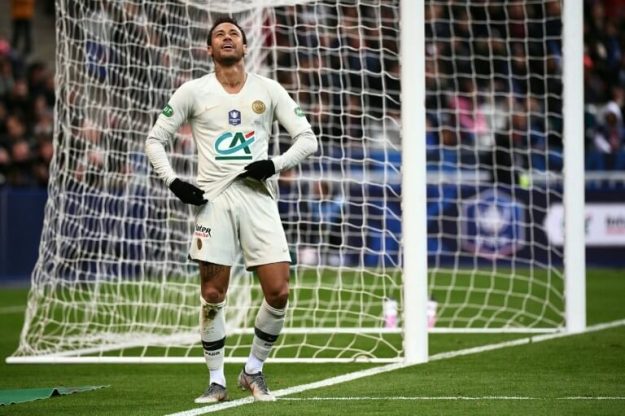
(229,58)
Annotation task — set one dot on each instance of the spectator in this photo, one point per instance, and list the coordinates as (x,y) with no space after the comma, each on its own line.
(18,100)
(510,155)
(37,77)
(465,104)
(42,118)
(7,79)
(448,145)
(3,119)
(322,229)
(42,159)
(22,12)
(15,130)
(495,108)
(609,135)
(20,173)
(5,164)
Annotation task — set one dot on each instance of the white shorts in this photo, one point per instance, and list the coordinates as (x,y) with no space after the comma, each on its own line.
(246,216)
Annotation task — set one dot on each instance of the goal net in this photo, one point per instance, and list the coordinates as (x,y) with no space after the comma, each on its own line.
(495,149)
(113,282)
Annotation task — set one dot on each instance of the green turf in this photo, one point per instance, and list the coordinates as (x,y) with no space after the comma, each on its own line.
(91,313)
(588,365)
(583,365)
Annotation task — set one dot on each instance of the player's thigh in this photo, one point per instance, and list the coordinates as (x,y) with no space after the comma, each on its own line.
(215,233)
(261,233)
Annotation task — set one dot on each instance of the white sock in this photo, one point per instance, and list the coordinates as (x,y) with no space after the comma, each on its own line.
(253,365)
(269,323)
(217,376)
(213,333)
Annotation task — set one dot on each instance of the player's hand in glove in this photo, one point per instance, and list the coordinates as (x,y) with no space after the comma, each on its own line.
(260,170)
(187,193)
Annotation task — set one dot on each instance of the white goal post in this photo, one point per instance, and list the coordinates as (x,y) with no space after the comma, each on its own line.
(574,183)
(426,220)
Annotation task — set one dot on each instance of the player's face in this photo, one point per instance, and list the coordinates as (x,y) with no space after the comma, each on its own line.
(227,46)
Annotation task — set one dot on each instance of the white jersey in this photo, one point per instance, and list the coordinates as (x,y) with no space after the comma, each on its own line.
(230,130)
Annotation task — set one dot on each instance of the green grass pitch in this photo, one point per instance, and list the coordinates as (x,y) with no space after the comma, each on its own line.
(581,374)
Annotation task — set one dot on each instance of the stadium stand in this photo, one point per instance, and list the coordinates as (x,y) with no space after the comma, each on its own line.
(27,93)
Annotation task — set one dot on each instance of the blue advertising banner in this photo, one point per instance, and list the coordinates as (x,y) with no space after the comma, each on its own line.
(466,225)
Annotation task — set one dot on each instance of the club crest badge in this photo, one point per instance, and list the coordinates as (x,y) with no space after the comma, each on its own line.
(259,107)
(234,117)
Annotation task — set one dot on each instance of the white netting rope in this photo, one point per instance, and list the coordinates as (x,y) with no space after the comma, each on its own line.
(112,270)
(494,101)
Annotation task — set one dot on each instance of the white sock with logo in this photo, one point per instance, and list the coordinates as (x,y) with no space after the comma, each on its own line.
(213,333)
(269,323)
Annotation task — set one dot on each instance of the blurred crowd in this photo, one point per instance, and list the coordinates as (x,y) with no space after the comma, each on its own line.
(604,72)
(26,105)
(26,119)
(347,77)
(493,87)
(493,83)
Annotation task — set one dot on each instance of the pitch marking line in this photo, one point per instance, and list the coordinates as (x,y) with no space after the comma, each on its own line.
(5,310)
(396,366)
(459,398)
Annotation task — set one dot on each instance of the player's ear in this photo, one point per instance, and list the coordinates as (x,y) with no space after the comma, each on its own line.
(209,49)
(244,49)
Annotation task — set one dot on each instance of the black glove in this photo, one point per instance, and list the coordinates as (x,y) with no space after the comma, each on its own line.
(187,193)
(260,170)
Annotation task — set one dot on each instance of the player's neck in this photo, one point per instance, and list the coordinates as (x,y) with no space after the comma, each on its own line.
(232,78)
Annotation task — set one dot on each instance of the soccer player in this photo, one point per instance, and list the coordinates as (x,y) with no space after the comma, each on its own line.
(231,113)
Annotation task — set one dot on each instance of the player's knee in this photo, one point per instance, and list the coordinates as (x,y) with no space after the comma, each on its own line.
(213,294)
(279,297)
